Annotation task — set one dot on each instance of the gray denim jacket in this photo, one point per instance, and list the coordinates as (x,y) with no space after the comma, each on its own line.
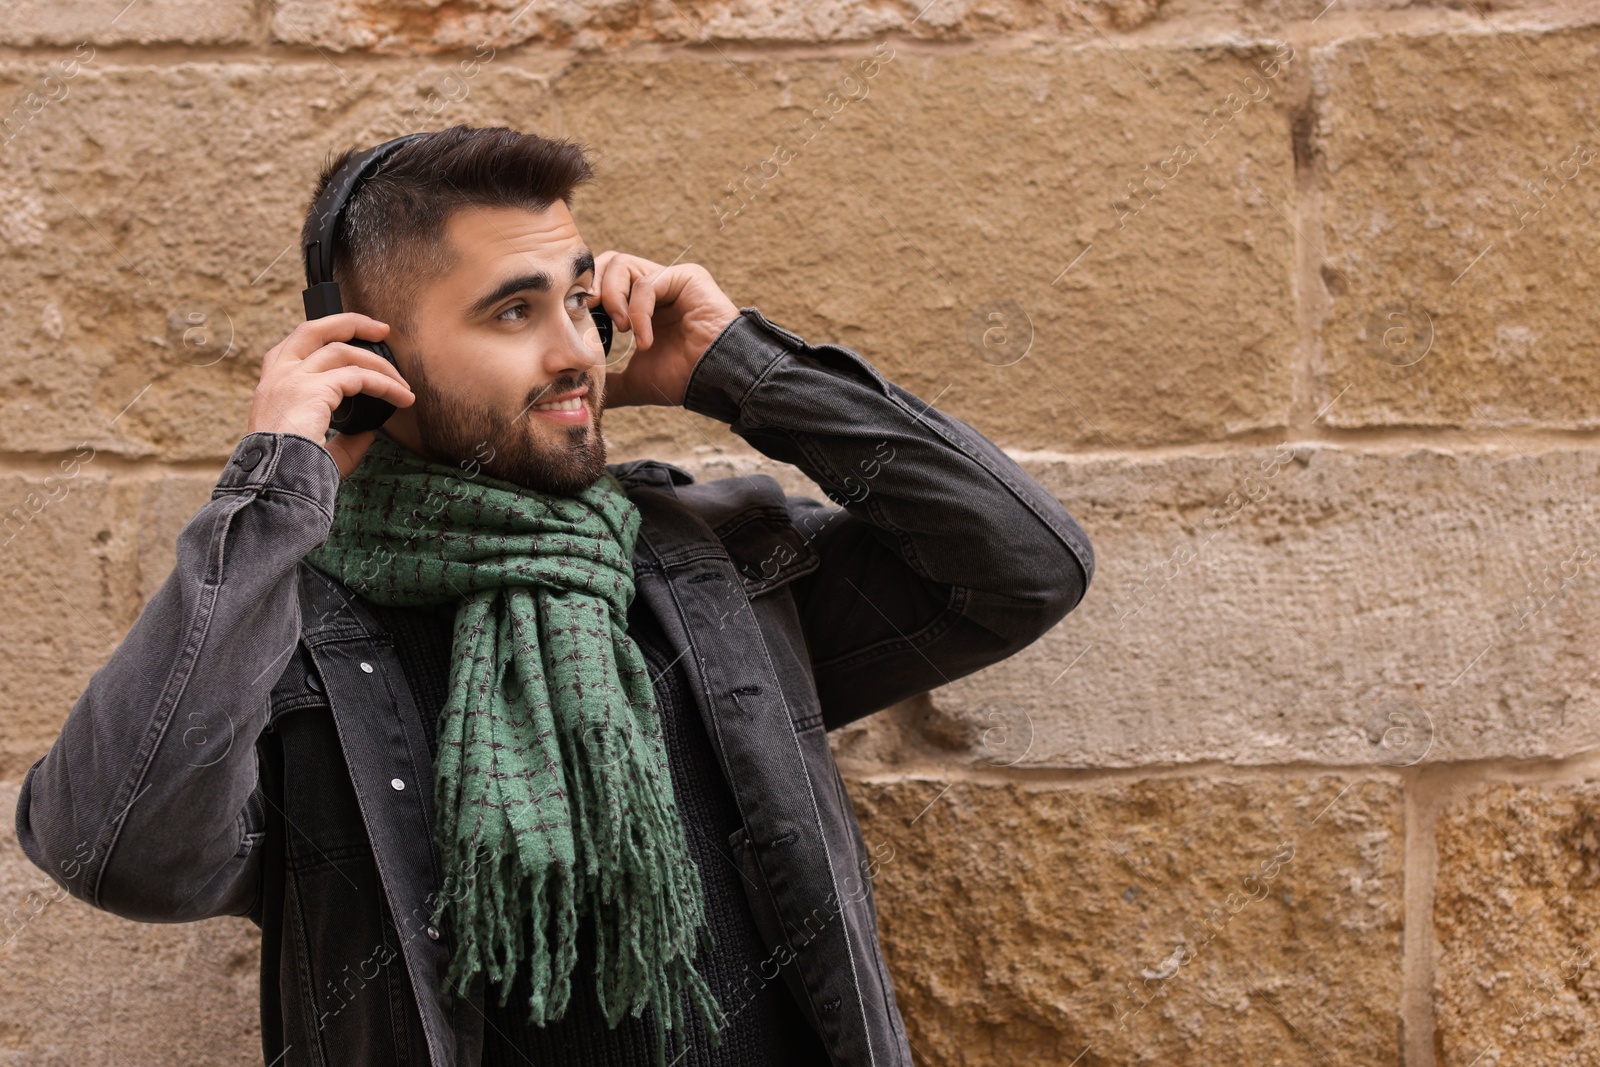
(252,748)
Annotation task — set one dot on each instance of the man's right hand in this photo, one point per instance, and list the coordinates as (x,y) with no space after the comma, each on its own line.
(308,374)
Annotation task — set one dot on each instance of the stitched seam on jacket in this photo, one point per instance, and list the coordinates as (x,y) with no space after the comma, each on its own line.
(257,490)
(869,905)
(303,959)
(400,1034)
(389,876)
(766,372)
(919,417)
(908,550)
(252,841)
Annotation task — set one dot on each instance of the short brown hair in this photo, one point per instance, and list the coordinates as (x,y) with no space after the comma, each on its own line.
(391,236)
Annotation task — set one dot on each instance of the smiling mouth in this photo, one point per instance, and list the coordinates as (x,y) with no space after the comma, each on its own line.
(570,410)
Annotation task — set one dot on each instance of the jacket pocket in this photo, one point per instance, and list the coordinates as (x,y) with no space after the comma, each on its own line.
(766,549)
(349,975)
(346,992)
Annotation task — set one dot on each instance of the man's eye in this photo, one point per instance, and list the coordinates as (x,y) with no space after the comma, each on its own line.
(514,313)
(580,301)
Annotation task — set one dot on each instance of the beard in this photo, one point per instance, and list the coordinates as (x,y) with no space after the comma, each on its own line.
(504,444)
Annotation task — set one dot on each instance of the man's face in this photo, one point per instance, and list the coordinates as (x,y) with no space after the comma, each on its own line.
(503,356)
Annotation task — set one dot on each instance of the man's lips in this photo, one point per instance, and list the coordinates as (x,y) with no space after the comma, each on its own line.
(568,408)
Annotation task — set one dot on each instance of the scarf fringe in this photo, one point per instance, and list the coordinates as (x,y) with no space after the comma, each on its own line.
(492,937)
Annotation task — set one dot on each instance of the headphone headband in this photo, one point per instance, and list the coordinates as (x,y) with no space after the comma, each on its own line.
(321,295)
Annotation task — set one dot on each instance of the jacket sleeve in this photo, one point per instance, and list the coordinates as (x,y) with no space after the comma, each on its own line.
(943,555)
(147,804)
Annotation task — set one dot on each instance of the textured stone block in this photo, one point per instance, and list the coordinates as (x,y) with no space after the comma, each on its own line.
(1337,607)
(596,24)
(965,222)
(68,22)
(69,569)
(1459,176)
(591,25)
(1517,919)
(1175,921)
(80,552)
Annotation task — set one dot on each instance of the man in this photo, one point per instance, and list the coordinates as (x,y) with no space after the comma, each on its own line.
(519,756)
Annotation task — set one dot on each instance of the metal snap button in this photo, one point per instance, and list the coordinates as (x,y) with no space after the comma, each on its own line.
(433,933)
(397,783)
(248,459)
(313,682)
(367,667)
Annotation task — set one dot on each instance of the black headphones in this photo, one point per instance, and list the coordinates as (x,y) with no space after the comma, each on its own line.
(360,413)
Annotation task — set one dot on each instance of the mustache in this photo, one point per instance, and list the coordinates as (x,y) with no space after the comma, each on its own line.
(560,384)
(564,384)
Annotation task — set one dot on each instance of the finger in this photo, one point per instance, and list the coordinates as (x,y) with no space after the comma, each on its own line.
(622,274)
(349,381)
(613,282)
(641,303)
(338,354)
(601,264)
(312,334)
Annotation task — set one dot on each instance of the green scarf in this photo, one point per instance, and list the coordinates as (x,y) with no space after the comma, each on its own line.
(553,792)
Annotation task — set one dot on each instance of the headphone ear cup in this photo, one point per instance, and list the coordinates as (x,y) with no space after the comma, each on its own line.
(602,322)
(360,413)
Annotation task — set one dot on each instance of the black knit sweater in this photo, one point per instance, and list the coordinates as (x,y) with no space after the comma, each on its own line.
(766,1027)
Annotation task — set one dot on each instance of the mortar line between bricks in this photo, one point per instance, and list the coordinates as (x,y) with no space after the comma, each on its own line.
(1358,442)
(262,22)
(1430,791)
(1441,776)
(1418,954)
(1306,281)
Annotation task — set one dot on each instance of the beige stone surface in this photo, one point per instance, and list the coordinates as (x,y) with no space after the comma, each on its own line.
(591,25)
(1028,924)
(1515,912)
(68,22)
(1425,147)
(82,987)
(69,570)
(80,555)
(956,187)
(960,186)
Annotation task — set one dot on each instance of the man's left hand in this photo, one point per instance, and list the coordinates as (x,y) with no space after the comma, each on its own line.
(674,314)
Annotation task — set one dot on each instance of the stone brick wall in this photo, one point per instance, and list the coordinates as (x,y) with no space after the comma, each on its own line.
(1288,300)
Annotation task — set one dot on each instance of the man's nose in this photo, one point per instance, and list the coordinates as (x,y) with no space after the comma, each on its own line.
(574,348)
